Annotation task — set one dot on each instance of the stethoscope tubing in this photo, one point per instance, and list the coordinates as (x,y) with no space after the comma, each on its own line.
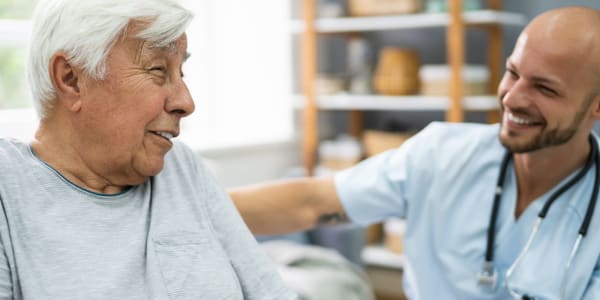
(488,274)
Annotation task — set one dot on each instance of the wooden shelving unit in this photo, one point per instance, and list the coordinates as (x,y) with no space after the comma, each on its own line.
(455,21)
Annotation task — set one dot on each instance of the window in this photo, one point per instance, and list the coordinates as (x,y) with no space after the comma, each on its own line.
(14,28)
(12,78)
(17,118)
(239,73)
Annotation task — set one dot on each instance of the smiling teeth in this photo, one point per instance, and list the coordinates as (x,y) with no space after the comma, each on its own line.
(166,135)
(518,120)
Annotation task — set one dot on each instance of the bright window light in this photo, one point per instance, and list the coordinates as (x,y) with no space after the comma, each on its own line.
(239,73)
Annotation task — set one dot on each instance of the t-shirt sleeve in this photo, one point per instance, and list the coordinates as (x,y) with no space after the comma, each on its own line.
(379,187)
(257,274)
(5,276)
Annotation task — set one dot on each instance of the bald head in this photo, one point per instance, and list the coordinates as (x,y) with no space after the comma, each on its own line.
(574,24)
(570,15)
(568,31)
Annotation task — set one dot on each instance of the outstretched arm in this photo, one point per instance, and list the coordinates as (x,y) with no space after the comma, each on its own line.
(289,205)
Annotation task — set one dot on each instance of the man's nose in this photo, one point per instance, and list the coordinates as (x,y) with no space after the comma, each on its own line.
(517,95)
(180,102)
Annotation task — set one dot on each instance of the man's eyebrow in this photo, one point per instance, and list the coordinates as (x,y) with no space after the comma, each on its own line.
(534,78)
(170,47)
(540,79)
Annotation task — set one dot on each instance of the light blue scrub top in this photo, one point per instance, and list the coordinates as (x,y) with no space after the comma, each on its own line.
(442,181)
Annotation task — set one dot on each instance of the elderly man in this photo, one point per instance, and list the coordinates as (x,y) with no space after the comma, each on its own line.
(103,204)
(536,172)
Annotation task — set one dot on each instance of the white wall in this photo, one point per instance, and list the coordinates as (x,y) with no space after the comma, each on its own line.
(252,164)
(18,123)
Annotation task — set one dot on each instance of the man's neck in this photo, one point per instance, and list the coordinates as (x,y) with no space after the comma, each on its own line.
(51,144)
(539,171)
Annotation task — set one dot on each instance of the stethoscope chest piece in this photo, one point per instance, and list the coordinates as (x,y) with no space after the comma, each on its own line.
(488,277)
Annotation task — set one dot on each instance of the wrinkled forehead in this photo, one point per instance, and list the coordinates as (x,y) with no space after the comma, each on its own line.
(140,48)
(177,47)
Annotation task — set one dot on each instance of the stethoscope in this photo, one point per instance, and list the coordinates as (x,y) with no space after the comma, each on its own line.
(488,275)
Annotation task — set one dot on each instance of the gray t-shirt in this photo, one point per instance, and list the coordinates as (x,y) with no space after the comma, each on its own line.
(177,236)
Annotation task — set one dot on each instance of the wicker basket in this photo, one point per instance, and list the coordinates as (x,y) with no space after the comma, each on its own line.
(378,141)
(383,7)
(374,234)
(397,72)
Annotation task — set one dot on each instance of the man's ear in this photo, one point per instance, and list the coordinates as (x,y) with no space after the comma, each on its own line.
(66,81)
(596,107)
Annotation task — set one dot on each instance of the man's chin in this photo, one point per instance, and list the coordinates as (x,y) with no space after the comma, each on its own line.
(148,170)
(518,144)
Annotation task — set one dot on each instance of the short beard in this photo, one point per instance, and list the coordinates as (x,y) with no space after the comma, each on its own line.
(551,138)
(554,137)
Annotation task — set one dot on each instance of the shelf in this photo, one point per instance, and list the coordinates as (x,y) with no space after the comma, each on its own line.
(454,22)
(14,32)
(377,255)
(402,103)
(408,21)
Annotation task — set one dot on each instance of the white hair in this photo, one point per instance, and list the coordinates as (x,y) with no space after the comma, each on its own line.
(86,30)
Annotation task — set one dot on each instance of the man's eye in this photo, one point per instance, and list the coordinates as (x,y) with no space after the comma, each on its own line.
(512,73)
(546,90)
(159,70)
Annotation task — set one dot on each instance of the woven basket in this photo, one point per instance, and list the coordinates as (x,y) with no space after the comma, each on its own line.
(397,72)
(378,141)
(360,8)
(374,234)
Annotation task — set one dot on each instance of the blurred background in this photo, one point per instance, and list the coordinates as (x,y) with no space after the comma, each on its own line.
(288,88)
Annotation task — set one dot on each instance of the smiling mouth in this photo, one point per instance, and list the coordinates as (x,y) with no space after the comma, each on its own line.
(166,135)
(521,121)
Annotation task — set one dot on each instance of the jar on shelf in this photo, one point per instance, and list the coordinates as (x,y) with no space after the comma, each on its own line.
(340,153)
(435,80)
(359,66)
(328,84)
(330,9)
